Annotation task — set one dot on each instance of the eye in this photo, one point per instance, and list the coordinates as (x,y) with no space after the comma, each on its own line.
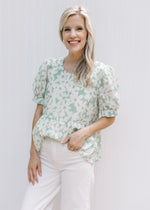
(67,29)
(80,28)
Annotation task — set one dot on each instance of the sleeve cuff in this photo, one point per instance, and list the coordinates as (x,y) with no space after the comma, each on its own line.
(108,113)
(38,100)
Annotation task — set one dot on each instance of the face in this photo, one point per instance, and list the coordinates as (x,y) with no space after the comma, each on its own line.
(74,34)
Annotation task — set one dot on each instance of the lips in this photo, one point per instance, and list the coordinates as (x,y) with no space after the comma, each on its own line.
(74,41)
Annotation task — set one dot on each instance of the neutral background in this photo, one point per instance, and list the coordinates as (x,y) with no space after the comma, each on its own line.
(29,34)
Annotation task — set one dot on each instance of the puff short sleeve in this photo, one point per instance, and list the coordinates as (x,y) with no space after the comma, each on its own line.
(39,83)
(108,94)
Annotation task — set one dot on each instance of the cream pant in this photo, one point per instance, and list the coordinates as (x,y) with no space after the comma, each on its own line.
(62,170)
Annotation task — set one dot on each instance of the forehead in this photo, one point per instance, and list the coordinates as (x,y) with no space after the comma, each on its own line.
(74,20)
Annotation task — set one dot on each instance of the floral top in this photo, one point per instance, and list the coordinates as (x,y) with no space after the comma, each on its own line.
(68,106)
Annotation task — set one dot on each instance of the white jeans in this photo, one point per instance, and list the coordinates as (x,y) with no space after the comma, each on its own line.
(65,170)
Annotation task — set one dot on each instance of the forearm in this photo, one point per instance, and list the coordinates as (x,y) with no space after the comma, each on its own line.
(100,124)
(37,115)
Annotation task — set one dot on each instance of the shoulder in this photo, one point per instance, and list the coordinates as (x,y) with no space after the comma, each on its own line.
(52,61)
(103,70)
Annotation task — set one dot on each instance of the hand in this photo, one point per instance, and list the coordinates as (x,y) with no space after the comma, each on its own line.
(34,163)
(76,139)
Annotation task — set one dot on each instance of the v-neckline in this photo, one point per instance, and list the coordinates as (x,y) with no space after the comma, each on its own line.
(62,64)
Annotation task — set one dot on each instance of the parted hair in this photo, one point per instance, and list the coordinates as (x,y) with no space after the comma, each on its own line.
(84,67)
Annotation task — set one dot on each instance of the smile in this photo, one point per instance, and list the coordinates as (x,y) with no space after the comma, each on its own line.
(74,43)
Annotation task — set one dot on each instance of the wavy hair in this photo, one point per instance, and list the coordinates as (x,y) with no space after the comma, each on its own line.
(84,67)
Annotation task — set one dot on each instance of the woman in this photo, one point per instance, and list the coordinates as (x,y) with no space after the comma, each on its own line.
(76,98)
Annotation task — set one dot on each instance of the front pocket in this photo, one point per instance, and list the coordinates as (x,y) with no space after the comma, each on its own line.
(74,151)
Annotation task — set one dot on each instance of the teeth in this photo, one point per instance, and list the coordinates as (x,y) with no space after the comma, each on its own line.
(74,42)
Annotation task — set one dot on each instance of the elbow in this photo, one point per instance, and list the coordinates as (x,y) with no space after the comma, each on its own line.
(111,120)
(39,109)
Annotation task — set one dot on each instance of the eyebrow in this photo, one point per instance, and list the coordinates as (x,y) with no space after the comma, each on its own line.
(69,26)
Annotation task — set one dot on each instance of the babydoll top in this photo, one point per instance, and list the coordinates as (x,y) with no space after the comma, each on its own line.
(68,106)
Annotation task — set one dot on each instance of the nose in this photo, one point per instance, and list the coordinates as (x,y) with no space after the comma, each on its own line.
(73,33)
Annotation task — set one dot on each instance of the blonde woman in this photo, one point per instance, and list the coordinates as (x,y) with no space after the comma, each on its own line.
(76,98)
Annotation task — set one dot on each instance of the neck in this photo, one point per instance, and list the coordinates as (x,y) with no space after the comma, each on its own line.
(73,58)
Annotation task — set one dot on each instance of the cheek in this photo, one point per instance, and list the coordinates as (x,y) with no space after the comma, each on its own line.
(84,35)
(64,35)
(84,39)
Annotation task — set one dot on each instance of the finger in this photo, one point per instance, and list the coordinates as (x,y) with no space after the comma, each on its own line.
(65,140)
(78,148)
(70,147)
(35,174)
(31,176)
(39,169)
(74,148)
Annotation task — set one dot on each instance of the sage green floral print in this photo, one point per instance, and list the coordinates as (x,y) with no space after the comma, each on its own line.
(68,106)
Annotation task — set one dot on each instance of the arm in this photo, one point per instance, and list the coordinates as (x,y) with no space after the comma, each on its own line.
(100,124)
(34,162)
(108,100)
(37,115)
(39,88)
(77,138)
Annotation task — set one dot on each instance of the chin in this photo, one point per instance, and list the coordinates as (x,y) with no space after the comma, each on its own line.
(75,50)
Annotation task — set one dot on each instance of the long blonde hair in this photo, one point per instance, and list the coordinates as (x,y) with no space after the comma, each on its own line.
(84,67)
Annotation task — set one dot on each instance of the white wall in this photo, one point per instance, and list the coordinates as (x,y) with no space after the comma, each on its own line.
(29,33)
